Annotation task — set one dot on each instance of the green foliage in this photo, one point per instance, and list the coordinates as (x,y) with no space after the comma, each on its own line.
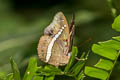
(97,73)
(16,33)
(38,78)
(72,58)
(108,65)
(16,73)
(116,24)
(81,76)
(113,9)
(77,67)
(48,72)
(30,71)
(9,76)
(49,77)
(110,51)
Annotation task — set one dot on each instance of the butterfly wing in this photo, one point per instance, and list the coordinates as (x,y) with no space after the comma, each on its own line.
(61,46)
(42,46)
(59,49)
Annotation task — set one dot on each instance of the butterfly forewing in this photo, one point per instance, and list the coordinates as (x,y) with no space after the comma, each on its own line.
(61,46)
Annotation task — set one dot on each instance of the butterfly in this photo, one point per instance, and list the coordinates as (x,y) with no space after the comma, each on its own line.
(55,45)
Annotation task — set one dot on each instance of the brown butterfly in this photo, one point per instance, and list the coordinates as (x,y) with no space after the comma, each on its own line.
(55,45)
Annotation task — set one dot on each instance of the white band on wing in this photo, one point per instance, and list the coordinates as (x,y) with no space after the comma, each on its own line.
(49,50)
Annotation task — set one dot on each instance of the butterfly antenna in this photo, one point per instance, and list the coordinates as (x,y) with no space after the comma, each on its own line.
(72,30)
(73,21)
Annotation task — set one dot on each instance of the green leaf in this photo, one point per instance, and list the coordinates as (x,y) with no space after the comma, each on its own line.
(111,44)
(39,69)
(83,55)
(31,69)
(86,56)
(9,76)
(104,64)
(38,78)
(97,73)
(52,70)
(49,78)
(77,67)
(116,38)
(105,52)
(116,23)
(81,76)
(49,70)
(16,73)
(72,58)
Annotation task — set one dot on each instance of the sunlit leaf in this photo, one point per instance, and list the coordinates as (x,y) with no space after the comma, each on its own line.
(31,69)
(105,52)
(104,64)
(116,38)
(111,44)
(116,23)
(97,73)
(16,73)
(72,58)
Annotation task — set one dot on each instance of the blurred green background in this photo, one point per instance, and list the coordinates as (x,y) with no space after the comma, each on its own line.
(22,23)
